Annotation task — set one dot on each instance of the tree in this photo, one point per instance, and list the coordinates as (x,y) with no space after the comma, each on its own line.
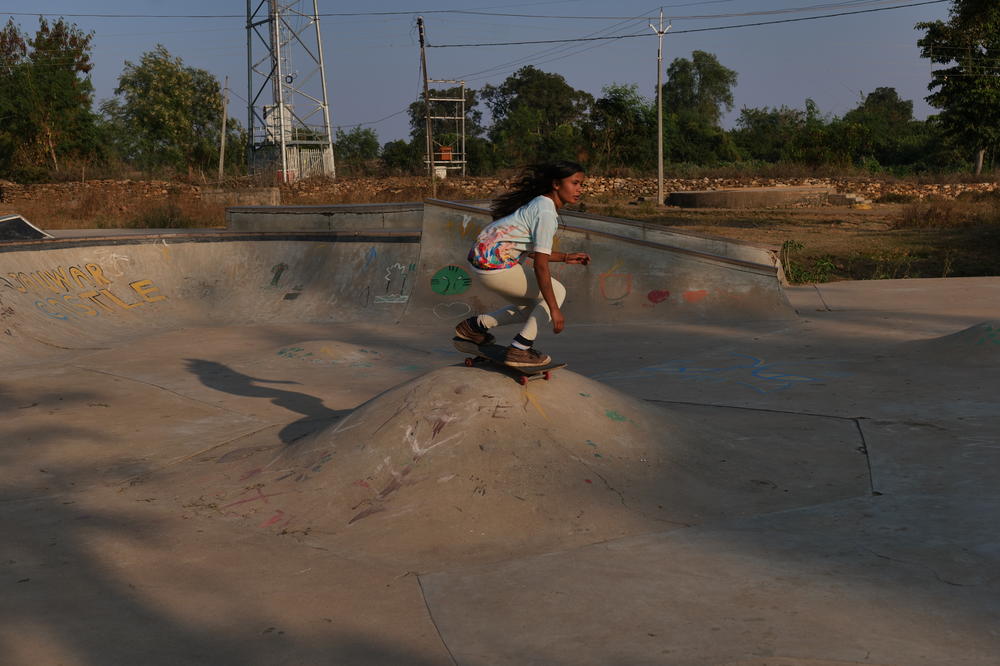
(821,140)
(768,134)
(537,116)
(169,115)
(887,133)
(966,88)
(622,129)
(701,85)
(355,149)
(403,157)
(695,95)
(45,96)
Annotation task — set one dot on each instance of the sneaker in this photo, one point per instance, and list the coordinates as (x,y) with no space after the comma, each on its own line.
(468,338)
(525,358)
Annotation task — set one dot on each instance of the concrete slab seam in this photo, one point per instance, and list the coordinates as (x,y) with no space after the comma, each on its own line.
(921,565)
(822,300)
(157,386)
(856,420)
(868,458)
(430,614)
(754,409)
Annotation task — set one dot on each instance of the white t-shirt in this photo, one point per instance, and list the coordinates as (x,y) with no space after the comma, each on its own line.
(530,228)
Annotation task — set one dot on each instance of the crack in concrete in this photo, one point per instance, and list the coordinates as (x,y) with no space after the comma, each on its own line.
(919,564)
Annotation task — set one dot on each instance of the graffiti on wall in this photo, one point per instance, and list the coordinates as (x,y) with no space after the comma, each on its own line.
(989,335)
(465,228)
(83,290)
(394,288)
(615,285)
(450,281)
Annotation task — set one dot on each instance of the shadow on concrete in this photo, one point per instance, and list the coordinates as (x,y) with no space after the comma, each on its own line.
(71,591)
(90,576)
(315,414)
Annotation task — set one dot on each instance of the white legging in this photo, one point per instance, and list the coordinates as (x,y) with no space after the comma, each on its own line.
(528,306)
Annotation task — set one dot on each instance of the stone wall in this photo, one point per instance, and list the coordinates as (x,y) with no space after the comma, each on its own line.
(360,190)
(123,194)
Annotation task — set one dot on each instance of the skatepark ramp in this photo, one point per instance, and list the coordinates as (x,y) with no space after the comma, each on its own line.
(637,274)
(84,292)
(577,462)
(77,291)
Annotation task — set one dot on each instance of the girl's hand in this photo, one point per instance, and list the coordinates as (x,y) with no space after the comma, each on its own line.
(578,258)
(558,321)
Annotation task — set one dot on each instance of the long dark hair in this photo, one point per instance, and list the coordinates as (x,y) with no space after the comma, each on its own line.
(534,181)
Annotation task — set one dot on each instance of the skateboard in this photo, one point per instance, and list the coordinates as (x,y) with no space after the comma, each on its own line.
(494,355)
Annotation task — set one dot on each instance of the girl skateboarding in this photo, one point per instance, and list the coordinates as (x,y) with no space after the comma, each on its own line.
(524,224)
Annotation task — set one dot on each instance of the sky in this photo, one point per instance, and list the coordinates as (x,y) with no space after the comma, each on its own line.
(372,58)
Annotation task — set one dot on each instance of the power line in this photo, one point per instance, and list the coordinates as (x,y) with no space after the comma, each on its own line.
(546,55)
(769,12)
(690,30)
(829,5)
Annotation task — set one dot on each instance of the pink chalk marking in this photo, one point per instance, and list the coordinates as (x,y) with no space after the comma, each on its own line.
(695,296)
(658,295)
(362,483)
(587,481)
(279,514)
(260,496)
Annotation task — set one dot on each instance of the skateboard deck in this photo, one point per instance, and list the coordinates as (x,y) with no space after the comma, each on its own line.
(494,355)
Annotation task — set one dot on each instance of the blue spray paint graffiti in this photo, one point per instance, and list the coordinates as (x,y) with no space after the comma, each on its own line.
(369,258)
(754,373)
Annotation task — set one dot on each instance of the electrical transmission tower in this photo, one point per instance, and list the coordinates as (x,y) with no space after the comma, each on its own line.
(288,111)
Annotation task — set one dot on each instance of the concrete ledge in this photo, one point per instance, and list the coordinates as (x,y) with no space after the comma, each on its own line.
(325,217)
(750,197)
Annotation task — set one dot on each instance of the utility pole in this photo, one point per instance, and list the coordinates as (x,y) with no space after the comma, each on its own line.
(427,108)
(659,107)
(222,139)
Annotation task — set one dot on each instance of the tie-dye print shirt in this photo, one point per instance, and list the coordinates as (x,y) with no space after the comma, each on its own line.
(531,228)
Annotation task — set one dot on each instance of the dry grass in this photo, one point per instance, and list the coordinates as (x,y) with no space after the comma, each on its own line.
(966,211)
(948,239)
(95,210)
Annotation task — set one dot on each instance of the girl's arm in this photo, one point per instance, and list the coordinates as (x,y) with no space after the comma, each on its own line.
(568,257)
(544,278)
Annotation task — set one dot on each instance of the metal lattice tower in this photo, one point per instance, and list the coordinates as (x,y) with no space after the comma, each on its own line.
(444,117)
(288,110)
(448,150)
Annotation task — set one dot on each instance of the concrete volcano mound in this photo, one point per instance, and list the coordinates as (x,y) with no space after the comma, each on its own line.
(464,464)
(977,346)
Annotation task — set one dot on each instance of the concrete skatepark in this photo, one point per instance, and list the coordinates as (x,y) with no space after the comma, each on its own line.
(258,446)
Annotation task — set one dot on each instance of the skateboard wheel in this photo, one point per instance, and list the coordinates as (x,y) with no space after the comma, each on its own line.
(469,362)
(523,380)
(546,375)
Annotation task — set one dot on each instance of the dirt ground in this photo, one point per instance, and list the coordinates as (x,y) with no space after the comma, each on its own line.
(825,243)
(935,231)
